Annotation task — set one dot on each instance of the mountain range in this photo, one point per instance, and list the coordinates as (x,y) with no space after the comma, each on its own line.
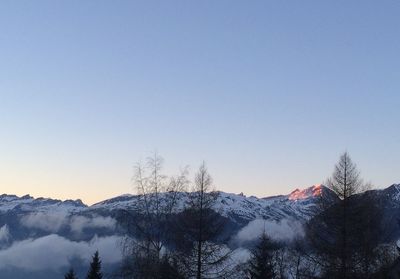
(43,237)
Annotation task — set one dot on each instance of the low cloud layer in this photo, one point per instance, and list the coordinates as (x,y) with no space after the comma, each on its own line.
(79,223)
(240,255)
(47,221)
(4,234)
(284,230)
(55,252)
(53,221)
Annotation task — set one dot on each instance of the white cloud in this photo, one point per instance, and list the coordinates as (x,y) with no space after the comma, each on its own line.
(4,234)
(53,221)
(240,255)
(55,252)
(284,230)
(78,223)
(47,221)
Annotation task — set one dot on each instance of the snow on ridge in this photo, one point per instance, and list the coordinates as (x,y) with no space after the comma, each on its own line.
(313,191)
(394,190)
(395,186)
(29,203)
(236,206)
(230,205)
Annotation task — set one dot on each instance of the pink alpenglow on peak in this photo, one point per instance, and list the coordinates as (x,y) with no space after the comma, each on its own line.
(313,191)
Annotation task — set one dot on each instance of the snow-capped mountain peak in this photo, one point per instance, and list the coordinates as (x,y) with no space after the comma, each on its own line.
(313,191)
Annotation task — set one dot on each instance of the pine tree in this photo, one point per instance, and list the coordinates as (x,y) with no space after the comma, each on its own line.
(70,275)
(261,265)
(95,268)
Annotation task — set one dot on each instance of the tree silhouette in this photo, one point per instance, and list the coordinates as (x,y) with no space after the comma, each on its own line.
(95,268)
(261,265)
(70,275)
(149,226)
(346,232)
(198,251)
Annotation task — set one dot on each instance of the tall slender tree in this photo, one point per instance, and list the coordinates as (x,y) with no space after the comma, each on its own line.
(261,263)
(200,254)
(95,268)
(148,226)
(337,231)
(345,182)
(158,196)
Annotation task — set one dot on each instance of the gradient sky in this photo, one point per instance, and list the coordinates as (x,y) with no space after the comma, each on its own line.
(268,93)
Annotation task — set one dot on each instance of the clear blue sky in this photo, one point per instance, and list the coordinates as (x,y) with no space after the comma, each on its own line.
(268,93)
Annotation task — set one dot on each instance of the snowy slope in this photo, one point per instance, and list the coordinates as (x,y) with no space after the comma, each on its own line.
(28,203)
(300,204)
(43,224)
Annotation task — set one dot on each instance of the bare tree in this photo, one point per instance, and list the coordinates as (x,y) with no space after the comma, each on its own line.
(297,264)
(343,234)
(198,251)
(148,225)
(346,180)
(158,196)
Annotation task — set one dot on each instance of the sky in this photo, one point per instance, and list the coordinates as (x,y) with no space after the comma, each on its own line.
(267,93)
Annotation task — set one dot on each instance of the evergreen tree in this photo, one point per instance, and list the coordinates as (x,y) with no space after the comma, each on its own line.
(70,275)
(95,268)
(261,264)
